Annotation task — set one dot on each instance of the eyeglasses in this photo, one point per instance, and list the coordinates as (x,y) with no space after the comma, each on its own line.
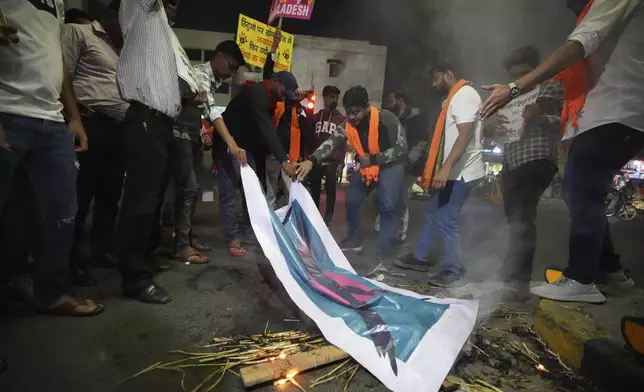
(234,68)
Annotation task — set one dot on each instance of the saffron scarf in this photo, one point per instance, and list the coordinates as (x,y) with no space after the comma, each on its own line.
(369,173)
(574,81)
(296,134)
(435,158)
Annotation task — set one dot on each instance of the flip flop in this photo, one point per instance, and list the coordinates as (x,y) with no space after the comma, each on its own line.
(633,333)
(192,257)
(236,251)
(69,308)
(200,246)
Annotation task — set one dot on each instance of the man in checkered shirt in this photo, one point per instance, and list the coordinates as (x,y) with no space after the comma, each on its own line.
(529,166)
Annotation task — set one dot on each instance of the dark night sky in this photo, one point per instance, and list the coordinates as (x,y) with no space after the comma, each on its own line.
(331,18)
(473,34)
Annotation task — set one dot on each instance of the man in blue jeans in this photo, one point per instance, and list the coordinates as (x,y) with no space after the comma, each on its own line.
(461,166)
(389,162)
(34,90)
(602,60)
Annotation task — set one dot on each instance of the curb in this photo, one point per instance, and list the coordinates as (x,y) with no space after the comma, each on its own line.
(576,337)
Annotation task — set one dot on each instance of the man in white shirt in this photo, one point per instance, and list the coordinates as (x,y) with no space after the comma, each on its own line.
(34,90)
(462,165)
(606,133)
(153,74)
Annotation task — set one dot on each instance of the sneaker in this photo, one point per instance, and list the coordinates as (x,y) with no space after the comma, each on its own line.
(569,290)
(409,261)
(447,279)
(351,245)
(616,280)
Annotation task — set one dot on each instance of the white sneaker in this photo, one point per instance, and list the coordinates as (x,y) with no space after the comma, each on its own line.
(569,290)
(617,280)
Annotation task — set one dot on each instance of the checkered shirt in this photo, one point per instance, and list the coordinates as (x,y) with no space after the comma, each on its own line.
(541,139)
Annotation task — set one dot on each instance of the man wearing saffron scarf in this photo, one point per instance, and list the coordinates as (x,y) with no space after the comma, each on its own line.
(381,147)
(602,68)
(454,163)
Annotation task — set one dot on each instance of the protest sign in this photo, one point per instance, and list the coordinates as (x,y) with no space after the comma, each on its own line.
(255,39)
(294,9)
(407,340)
(513,113)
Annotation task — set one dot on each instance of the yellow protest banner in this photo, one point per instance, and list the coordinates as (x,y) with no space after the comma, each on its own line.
(255,39)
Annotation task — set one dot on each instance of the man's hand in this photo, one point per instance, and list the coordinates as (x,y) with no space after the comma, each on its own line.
(531,112)
(78,131)
(8,35)
(289,169)
(365,161)
(199,98)
(498,99)
(239,154)
(303,169)
(277,38)
(440,178)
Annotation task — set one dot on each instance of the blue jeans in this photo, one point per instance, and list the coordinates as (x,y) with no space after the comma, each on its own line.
(389,182)
(52,172)
(593,159)
(442,213)
(228,181)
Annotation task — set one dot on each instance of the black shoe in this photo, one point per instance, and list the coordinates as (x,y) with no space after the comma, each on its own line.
(446,279)
(327,220)
(516,291)
(351,245)
(410,262)
(81,277)
(163,267)
(153,294)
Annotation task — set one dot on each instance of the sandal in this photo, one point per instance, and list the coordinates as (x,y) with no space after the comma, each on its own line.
(73,307)
(236,251)
(192,256)
(200,246)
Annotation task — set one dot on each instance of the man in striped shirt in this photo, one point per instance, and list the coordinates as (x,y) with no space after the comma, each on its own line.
(149,75)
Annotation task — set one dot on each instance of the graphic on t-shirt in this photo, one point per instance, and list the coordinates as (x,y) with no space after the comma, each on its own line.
(46,5)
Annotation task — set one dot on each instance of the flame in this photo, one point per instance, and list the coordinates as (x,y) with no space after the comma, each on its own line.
(289,376)
(541,368)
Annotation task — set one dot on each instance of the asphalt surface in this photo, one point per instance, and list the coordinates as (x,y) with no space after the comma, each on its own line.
(229,297)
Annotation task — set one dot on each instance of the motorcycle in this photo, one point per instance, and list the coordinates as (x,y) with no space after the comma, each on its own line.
(620,203)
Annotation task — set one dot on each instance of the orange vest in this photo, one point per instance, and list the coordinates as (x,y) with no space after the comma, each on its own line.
(370,173)
(294,147)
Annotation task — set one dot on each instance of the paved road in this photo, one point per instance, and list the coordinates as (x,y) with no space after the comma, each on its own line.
(229,297)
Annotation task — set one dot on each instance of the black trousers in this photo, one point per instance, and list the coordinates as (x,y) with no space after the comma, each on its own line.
(329,173)
(100,177)
(147,142)
(593,159)
(522,189)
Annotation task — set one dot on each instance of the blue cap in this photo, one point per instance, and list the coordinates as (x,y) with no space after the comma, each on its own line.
(289,82)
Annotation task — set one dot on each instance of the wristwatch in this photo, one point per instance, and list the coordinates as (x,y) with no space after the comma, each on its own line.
(514,90)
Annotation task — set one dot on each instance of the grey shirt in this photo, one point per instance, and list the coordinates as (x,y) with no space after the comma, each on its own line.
(91,58)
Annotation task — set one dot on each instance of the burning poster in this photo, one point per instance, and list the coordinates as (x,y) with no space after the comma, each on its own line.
(407,340)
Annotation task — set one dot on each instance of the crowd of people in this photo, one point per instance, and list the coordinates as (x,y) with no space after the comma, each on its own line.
(110,111)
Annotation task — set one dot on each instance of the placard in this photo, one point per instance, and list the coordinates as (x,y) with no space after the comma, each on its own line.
(294,9)
(513,113)
(255,40)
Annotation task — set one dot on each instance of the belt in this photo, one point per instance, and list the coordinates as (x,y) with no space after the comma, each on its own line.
(139,111)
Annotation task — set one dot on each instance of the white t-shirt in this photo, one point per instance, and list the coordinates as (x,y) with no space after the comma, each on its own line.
(612,34)
(464,108)
(31,72)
